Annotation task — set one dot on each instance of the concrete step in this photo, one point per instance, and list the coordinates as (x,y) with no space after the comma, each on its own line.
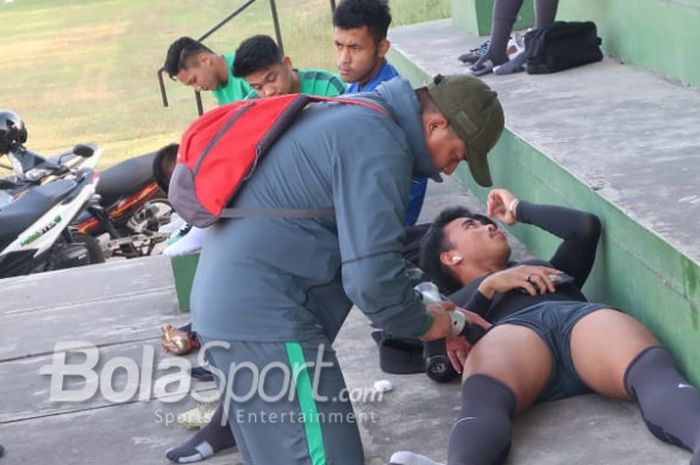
(661,35)
(617,141)
(416,415)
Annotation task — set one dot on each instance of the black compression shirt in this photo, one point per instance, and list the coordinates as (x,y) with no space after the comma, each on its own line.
(574,256)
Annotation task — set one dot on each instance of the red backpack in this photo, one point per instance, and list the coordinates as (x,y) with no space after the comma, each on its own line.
(221,149)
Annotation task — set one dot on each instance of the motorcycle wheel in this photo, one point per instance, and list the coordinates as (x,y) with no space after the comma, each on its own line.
(93,247)
(163,212)
(148,218)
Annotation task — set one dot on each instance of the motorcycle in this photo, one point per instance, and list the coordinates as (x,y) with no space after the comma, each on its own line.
(128,207)
(34,228)
(128,211)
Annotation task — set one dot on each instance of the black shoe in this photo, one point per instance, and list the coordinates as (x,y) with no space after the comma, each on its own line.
(201,374)
(474,54)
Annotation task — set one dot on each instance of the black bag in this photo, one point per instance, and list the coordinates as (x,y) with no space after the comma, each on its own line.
(562,45)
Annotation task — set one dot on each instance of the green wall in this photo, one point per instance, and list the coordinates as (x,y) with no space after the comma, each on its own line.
(474,16)
(662,35)
(184,267)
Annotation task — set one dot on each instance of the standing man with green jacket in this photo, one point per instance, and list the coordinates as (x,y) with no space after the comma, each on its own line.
(271,293)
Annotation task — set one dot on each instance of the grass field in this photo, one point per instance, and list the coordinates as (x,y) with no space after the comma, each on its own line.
(85,70)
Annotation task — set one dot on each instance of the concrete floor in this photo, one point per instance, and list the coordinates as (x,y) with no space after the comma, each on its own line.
(119,307)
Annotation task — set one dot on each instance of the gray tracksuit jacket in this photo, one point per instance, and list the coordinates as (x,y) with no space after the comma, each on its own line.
(285,279)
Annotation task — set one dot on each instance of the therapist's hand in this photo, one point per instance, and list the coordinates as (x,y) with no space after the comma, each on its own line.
(442,324)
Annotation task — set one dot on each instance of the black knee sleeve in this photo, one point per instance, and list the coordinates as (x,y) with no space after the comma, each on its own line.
(482,434)
(670,405)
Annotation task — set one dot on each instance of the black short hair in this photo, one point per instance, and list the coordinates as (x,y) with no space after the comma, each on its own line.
(180,52)
(435,242)
(254,54)
(163,165)
(375,14)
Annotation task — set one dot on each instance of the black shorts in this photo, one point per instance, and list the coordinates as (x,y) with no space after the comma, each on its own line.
(553,322)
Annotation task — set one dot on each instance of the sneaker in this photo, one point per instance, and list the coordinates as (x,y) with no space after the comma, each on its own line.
(474,54)
(409,458)
(189,243)
(179,233)
(199,416)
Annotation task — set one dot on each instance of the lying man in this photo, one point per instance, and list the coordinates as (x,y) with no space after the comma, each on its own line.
(548,342)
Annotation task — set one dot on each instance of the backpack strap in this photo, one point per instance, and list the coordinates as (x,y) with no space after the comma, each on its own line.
(362,102)
(313,213)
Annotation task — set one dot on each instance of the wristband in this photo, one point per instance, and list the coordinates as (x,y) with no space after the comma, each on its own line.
(513,205)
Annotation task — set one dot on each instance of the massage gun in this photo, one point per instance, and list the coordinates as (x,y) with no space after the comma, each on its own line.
(428,293)
(437,364)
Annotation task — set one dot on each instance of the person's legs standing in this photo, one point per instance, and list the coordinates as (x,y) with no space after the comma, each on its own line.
(504,14)
(545,12)
(285,407)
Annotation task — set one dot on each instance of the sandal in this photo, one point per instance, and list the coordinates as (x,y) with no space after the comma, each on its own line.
(177,341)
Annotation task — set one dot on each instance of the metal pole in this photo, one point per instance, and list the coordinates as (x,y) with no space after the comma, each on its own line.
(161,82)
(198,98)
(332,6)
(276,20)
(227,19)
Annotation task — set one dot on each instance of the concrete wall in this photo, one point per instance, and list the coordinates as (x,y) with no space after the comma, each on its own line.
(475,15)
(662,35)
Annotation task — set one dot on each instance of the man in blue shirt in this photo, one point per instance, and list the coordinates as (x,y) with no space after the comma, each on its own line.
(359,34)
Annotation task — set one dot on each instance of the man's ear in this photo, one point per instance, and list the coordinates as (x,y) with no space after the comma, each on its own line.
(449,259)
(383,48)
(287,62)
(433,122)
(204,59)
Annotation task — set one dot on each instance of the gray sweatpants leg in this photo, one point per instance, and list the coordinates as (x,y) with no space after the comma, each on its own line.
(286,403)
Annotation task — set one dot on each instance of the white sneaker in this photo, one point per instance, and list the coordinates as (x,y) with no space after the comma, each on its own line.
(409,458)
(189,243)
